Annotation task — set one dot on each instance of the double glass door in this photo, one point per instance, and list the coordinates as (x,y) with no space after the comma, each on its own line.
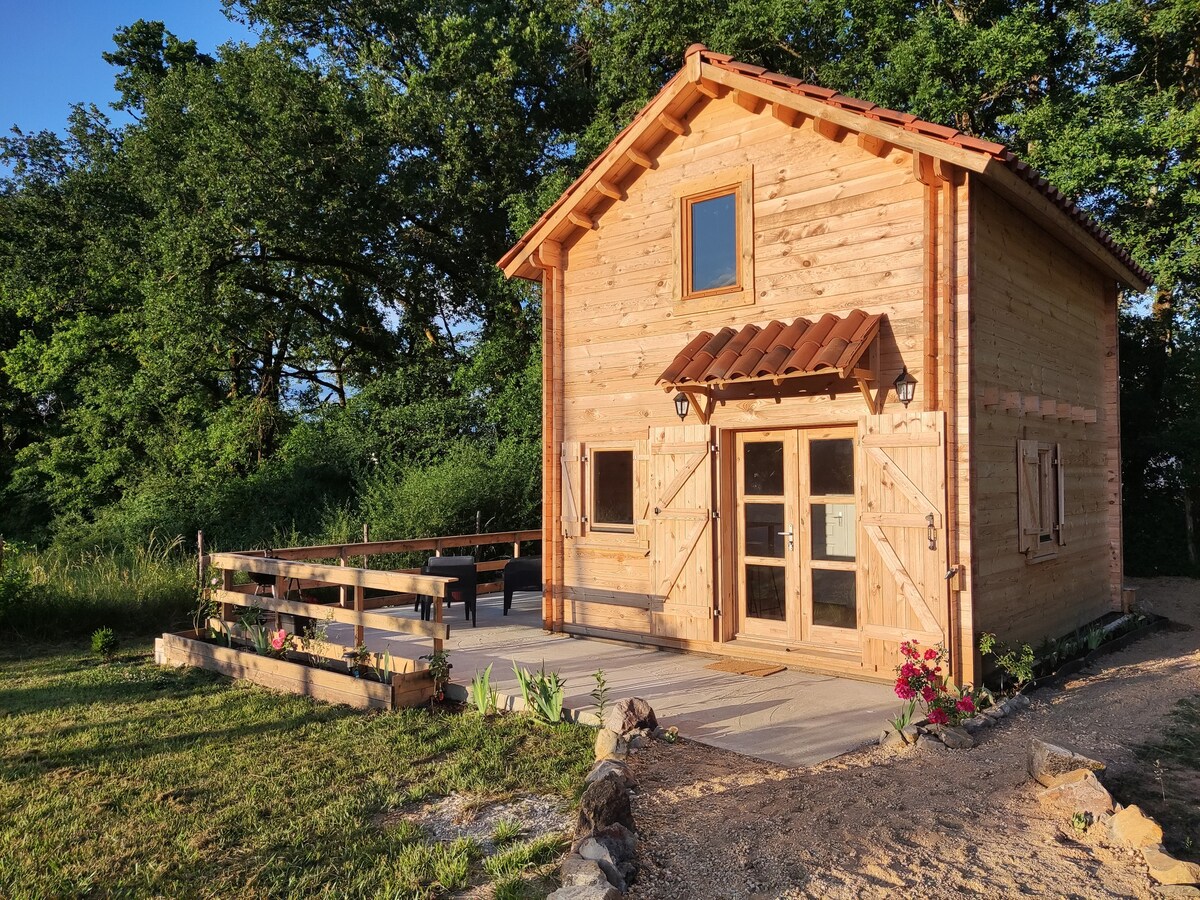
(796,536)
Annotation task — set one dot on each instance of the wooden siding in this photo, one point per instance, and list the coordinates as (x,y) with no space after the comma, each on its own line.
(835,228)
(1043,365)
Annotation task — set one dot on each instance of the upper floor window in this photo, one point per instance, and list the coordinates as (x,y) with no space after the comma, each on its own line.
(714,247)
(712,243)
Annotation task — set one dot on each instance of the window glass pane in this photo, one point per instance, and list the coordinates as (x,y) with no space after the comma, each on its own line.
(833,599)
(763,523)
(766,587)
(831,466)
(764,467)
(833,531)
(714,243)
(612,487)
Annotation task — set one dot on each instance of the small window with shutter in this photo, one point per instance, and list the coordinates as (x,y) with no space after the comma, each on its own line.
(1040,500)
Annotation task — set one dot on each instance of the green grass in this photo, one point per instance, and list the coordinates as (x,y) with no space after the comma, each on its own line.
(1167,784)
(50,593)
(126,779)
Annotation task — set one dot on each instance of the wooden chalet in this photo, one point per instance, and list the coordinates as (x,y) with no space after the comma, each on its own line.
(740,294)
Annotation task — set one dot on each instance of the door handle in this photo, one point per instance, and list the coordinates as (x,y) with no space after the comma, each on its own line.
(789,535)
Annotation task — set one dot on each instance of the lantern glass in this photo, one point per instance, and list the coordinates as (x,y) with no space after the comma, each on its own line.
(682,405)
(906,387)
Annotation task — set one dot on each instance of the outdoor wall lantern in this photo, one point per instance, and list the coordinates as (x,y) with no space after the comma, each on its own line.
(906,387)
(682,405)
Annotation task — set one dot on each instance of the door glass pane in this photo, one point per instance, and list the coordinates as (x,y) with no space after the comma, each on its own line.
(763,522)
(714,243)
(764,467)
(833,531)
(831,466)
(766,592)
(833,601)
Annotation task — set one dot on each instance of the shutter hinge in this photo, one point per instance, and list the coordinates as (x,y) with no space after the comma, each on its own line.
(712,447)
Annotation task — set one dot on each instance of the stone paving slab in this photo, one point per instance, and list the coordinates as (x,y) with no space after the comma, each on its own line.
(793,718)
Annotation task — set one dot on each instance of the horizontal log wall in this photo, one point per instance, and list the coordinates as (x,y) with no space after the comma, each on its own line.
(835,228)
(1041,329)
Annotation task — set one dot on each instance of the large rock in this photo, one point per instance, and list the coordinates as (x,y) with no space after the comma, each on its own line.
(1132,828)
(610,745)
(1166,869)
(602,768)
(1051,764)
(605,802)
(620,842)
(1086,795)
(586,892)
(598,852)
(629,715)
(575,870)
(956,738)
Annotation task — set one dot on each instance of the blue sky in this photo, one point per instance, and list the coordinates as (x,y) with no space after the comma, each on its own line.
(50,51)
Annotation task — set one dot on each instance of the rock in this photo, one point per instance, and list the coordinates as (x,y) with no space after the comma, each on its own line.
(1130,827)
(639,741)
(893,739)
(610,745)
(1049,763)
(925,742)
(956,738)
(1086,795)
(586,892)
(620,842)
(602,768)
(911,733)
(978,723)
(605,802)
(628,715)
(575,870)
(1019,701)
(594,850)
(995,713)
(1166,869)
(1177,890)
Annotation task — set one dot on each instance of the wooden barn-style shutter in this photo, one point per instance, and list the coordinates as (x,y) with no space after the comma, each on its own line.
(1041,498)
(572,494)
(681,515)
(1029,496)
(902,484)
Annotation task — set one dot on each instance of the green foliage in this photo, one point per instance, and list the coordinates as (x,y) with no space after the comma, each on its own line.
(542,693)
(253,787)
(105,643)
(600,692)
(439,667)
(506,831)
(1016,664)
(483,695)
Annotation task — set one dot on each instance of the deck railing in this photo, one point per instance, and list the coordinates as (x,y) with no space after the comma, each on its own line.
(292,570)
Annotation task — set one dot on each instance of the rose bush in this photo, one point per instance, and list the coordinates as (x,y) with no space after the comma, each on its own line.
(919,681)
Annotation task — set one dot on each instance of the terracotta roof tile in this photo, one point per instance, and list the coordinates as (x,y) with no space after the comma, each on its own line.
(774,349)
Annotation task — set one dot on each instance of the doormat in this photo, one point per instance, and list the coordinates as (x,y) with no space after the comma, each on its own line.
(742,667)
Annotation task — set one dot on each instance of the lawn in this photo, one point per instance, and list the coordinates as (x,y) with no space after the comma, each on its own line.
(127,779)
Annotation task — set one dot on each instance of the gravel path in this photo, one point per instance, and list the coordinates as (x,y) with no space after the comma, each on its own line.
(905,822)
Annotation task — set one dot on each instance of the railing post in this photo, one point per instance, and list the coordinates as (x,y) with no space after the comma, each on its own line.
(342,594)
(516,549)
(437,615)
(359,594)
(227,585)
(199,558)
(366,540)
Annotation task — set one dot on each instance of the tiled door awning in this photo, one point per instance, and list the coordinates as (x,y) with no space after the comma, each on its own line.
(832,346)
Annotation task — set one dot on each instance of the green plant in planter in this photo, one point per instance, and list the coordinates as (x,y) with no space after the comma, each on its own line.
(356,660)
(384,669)
(542,693)
(105,643)
(439,671)
(1016,664)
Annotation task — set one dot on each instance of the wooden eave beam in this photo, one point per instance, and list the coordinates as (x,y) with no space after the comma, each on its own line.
(637,157)
(829,129)
(610,190)
(752,103)
(520,262)
(672,123)
(874,145)
(582,219)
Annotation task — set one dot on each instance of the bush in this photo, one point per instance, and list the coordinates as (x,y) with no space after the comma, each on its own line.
(105,643)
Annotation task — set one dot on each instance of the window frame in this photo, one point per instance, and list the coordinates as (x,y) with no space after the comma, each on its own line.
(591,471)
(1041,500)
(739,181)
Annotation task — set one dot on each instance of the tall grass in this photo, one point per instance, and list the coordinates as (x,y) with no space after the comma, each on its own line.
(53,592)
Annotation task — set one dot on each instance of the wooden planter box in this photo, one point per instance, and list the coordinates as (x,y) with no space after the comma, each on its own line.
(190,649)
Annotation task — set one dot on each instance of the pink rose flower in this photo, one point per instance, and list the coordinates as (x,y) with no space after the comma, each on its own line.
(965,704)
(928,694)
(278,639)
(938,716)
(903,691)
(930,655)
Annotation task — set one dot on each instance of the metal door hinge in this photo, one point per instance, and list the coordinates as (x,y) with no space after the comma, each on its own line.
(715,514)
